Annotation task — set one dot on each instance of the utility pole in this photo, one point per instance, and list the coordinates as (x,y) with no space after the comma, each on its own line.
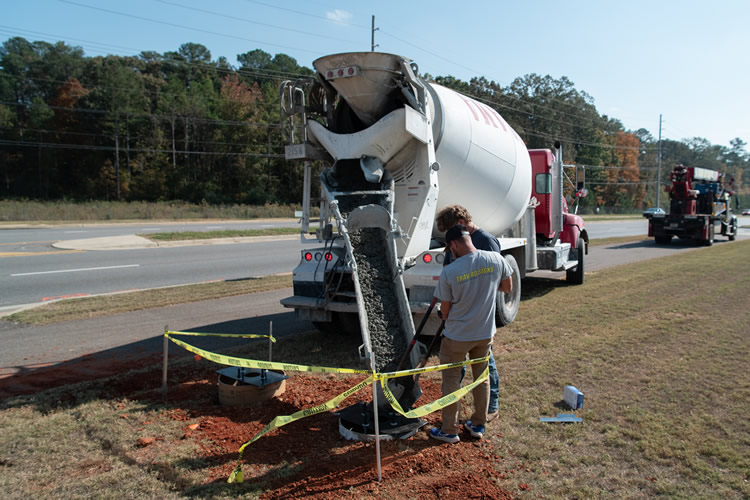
(658,168)
(374,29)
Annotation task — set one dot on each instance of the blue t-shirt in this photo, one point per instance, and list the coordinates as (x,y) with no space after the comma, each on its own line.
(470,285)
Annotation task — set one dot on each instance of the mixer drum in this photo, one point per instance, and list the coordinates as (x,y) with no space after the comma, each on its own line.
(484,164)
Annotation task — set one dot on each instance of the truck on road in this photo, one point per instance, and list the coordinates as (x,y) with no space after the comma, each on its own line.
(698,204)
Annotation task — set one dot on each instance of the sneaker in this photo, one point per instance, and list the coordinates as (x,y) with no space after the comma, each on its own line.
(442,436)
(492,416)
(476,431)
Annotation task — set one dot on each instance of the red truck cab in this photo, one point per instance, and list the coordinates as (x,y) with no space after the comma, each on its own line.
(561,237)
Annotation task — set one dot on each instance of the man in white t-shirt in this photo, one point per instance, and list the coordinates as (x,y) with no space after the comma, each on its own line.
(466,292)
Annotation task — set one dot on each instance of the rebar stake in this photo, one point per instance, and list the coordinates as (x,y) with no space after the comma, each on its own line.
(270,341)
(375,414)
(164,366)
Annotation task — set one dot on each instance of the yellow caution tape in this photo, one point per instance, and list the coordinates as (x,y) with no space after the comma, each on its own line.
(251,363)
(282,420)
(438,404)
(230,335)
(416,371)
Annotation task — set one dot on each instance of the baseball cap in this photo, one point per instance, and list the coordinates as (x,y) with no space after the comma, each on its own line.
(456,233)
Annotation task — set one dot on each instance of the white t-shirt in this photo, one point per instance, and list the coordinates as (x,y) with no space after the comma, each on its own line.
(470,284)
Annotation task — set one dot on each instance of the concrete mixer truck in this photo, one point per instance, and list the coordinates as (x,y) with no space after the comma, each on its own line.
(396,148)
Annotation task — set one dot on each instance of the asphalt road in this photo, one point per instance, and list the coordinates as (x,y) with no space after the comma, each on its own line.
(45,275)
(27,349)
(32,270)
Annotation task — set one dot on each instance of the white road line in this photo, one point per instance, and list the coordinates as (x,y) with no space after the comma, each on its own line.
(74,232)
(76,270)
(214,227)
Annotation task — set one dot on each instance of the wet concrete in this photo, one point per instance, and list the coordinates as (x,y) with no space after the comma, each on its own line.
(376,280)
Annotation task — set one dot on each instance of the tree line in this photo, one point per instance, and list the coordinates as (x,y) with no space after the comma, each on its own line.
(184,126)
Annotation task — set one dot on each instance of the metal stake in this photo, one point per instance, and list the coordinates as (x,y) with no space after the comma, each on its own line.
(164,366)
(375,413)
(270,342)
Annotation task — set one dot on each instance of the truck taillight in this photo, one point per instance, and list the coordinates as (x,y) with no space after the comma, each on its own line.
(308,256)
(342,72)
(426,258)
(329,256)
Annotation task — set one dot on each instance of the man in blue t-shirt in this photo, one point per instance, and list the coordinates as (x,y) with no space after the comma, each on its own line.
(466,292)
(446,218)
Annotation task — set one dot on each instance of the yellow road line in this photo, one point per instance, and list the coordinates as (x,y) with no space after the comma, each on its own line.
(29,254)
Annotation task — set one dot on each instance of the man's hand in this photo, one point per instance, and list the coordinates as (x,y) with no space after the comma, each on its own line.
(506,285)
(445,309)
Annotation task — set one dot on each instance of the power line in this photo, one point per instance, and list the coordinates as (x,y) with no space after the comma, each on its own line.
(37,144)
(175,25)
(272,6)
(154,115)
(235,18)
(263,145)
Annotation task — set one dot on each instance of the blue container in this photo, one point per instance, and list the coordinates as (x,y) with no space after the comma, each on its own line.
(573,397)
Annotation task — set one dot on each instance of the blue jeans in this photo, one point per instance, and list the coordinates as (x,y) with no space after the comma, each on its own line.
(494,384)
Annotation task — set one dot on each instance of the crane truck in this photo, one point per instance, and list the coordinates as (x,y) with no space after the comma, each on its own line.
(698,201)
(395,148)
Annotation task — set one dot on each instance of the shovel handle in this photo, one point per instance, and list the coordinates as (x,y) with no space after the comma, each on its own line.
(419,330)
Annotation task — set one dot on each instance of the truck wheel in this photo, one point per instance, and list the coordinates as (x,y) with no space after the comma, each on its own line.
(506,304)
(663,240)
(575,276)
(733,230)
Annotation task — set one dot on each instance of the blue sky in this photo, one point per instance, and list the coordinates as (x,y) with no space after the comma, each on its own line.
(687,60)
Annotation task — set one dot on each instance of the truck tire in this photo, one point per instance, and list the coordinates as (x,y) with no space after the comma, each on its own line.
(663,240)
(733,230)
(575,276)
(506,305)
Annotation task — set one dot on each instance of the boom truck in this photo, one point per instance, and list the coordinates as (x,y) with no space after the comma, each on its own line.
(395,149)
(698,201)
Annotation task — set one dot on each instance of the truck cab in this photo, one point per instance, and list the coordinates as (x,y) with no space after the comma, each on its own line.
(561,236)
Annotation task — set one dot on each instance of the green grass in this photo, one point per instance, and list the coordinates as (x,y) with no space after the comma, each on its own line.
(113,211)
(659,349)
(228,233)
